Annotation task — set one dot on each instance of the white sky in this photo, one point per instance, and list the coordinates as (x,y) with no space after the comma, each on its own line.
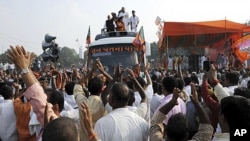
(26,22)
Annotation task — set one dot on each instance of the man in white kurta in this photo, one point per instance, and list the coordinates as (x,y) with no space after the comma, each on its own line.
(134,20)
(121,124)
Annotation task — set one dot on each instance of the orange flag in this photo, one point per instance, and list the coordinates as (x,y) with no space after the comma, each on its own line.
(139,41)
(88,40)
(242,48)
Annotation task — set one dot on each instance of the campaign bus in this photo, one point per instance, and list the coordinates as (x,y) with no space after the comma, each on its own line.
(113,48)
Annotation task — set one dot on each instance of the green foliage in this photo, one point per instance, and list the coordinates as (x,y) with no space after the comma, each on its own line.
(154,50)
(4,58)
(68,57)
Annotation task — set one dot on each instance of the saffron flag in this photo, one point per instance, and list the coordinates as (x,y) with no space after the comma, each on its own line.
(139,41)
(88,40)
(242,48)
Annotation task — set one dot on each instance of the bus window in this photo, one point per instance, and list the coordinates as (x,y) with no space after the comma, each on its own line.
(111,59)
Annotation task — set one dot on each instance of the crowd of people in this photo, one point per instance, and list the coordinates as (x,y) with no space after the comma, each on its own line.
(94,105)
(121,21)
(222,62)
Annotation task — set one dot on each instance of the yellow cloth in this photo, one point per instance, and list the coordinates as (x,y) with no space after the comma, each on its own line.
(96,107)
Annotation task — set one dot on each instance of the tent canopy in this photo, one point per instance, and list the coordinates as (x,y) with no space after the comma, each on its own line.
(207,27)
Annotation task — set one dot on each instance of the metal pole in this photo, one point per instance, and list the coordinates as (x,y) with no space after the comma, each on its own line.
(167,48)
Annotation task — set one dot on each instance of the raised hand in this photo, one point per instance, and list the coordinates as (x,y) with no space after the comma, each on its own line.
(131,74)
(118,72)
(99,65)
(20,57)
(147,67)
(176,94)
(212,73)
(76,73)
(87,120)
(194,94)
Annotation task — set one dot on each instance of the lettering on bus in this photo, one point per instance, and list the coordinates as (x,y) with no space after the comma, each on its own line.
(113,49)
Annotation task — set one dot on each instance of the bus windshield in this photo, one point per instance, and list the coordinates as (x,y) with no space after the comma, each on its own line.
(114,55)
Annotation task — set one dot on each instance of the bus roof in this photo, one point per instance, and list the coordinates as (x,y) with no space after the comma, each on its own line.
(112,40)
(115,34)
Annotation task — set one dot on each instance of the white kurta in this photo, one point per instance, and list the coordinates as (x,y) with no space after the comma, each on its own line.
(122,125)
(134,22)
(8,130)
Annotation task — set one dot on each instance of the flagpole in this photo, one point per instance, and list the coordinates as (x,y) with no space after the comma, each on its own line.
(77,42)
(78,47)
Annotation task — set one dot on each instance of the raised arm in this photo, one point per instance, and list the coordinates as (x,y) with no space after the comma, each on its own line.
(219,90)
(201,113)
(84,79)
(205,130)
(38,99)
(210,102)
(101,69)
(138,86)
(106,91)
(157,130)
(149,81)
(22,59)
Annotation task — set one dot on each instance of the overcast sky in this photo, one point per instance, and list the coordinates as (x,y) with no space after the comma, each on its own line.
(26,22)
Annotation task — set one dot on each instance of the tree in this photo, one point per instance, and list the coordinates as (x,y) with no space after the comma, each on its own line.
(68,57)
(4,58)
(154,50)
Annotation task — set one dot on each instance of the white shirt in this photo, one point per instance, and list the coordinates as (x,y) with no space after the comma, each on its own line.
(134,21)
(203,58)
(126,22)
(141,110)
(155,102)
(149,93)
(244,82)
(70,99)
(180,108)
(170,63)
(1,99)
(187,89)
(230,89)
(8,130)
(34,125)
(69,112)
(122,125)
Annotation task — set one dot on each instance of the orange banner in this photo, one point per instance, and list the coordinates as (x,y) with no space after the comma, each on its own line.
(242,48)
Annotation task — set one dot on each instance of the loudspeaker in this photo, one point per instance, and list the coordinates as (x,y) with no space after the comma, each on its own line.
(49,38)
(193,63)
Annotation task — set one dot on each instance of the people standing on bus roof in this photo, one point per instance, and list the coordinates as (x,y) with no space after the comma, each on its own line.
(121,12)
(114,17)
(110,24)
(126,22)
(134,21)
(120,25)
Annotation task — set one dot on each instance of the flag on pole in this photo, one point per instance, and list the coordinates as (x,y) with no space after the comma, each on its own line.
(88,40)
(139,41)
(157,20)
